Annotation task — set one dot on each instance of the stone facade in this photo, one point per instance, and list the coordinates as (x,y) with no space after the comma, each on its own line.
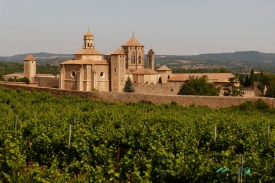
(47,82)
(184,100)
(30,67)
(171,88)
(89,71)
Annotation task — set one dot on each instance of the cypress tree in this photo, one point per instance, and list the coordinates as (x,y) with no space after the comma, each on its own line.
(252,77)
(128,87)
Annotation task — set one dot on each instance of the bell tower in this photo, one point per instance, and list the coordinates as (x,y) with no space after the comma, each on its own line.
(151,59)
(88,40)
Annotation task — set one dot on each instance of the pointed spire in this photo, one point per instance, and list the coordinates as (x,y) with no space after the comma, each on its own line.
(132,42)
(88,33)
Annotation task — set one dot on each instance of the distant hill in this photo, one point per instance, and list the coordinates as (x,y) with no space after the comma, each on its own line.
(42,58)
(235,62)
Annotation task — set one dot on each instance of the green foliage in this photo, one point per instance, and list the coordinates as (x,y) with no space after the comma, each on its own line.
(128,86)
(24,79)
(238,62)
(157,143)
(261,105)
(10,68)
(231,89)
(267,80)
(199,86)
(252,77)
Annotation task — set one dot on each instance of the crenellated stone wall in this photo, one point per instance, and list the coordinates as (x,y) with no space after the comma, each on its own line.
(171,88)
(184,100)
(47,81)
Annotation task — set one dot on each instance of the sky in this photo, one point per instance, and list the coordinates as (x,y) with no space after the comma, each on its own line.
(169,27)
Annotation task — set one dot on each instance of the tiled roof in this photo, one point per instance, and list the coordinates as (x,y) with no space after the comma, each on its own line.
(88,33)
(89,51)
(44,75)
(132,42)
(163,68)
(128,72)
(29,58)
(118,52)
(15,74)
(145,71)
(214,77)
(87,62)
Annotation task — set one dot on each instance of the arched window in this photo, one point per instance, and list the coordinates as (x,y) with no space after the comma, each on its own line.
(133,59)
(139,58)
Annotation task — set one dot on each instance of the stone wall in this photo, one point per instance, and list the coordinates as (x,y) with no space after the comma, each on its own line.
(47,81)
(171,88)
(210,101)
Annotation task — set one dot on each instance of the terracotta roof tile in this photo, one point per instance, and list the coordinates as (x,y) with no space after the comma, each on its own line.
(214,77)
(128,72)
(88,33)
(15,74)
(132,42)
(145,71)
(89,51)
(44,75)
(29,58)
(118,52)
(163,68)
(87,62)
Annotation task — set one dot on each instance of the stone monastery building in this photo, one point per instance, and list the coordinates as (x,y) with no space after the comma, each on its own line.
(89,70)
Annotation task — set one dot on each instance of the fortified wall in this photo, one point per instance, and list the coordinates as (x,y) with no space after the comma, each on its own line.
(171,88)
(47,81)
(184,100)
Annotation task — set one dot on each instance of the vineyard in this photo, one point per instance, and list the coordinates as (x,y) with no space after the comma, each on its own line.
(68,139)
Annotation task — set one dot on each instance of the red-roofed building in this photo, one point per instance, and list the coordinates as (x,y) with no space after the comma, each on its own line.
(89,70)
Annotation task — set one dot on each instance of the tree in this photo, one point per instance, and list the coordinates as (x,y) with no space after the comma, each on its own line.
(128,87)
(160,80)
(232,90)
(252,77)
(24,79)
(199,86)
(267,81)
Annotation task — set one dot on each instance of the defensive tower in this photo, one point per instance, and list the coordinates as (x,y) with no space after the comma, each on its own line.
(30,67)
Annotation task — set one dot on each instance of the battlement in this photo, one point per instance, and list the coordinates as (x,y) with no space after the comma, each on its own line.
(184,100)
(47,81)
(171,88)
(46,78)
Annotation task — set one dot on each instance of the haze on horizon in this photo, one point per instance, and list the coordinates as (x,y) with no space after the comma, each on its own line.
(169,27)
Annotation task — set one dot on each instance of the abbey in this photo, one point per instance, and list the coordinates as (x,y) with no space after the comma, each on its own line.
(90,70)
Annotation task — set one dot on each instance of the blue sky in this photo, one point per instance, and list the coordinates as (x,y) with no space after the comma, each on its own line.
(178,27)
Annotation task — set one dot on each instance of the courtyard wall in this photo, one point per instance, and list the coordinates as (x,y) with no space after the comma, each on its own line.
(184,100)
